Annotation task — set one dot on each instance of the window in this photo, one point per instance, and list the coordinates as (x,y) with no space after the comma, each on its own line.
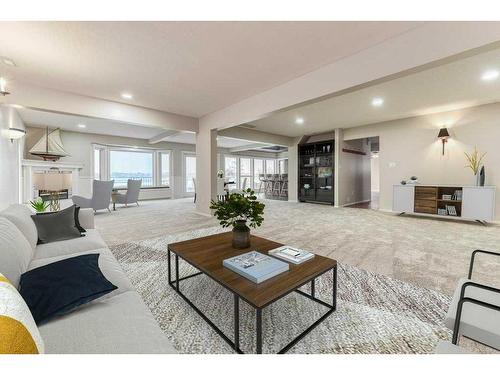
(270,166)
(258,169)
(283,166)
(189,172)
(126,164)
(245,172)
(97,164)
(230,172)
(165,168)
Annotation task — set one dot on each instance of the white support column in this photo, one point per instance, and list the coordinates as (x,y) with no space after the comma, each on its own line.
(206,169)
(293,170)
(339,141)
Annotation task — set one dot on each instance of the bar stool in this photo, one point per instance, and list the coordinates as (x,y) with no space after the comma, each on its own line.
(268,187)
(284,185)
(276,185)
(262,181)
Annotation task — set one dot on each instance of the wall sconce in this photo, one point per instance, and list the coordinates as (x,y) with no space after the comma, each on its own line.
(14,133)
(3,87)
(443,136)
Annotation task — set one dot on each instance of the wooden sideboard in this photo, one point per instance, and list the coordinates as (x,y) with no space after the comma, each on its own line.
(446,201)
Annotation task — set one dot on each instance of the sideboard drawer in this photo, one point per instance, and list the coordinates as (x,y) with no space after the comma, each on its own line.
(425,203)
(425,209)
(426,192)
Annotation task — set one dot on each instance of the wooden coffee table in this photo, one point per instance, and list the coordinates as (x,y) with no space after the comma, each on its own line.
(207,253)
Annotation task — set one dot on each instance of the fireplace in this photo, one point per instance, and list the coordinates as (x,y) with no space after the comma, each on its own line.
(48,195)
(43,179)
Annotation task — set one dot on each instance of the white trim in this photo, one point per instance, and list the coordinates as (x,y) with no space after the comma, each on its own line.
(184,154)
(202,213)
(49,164)
(353,203)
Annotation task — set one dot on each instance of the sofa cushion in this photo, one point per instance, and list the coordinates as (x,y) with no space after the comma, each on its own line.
(91,241)
(121,324)
(61,287)
(477,322)
(57,226)
(18,331)
(20,216)
(15,252)
(108,265)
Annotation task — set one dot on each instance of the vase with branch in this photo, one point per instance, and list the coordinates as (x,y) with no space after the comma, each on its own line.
(238,210)
(474,160)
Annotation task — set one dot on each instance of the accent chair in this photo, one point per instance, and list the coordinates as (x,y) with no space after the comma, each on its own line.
(132,194)
(101,196)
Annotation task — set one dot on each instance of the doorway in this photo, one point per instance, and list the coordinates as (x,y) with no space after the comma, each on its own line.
(367,173)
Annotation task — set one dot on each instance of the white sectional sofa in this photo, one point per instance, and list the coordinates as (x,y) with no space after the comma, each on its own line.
(118,322)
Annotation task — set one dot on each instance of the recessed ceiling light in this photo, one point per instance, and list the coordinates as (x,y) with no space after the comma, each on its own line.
(126,95)
(490,75)
(377,102)
(299,120)
(82,126)
(8,61)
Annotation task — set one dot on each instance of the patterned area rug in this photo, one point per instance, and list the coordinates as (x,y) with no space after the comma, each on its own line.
(375,314)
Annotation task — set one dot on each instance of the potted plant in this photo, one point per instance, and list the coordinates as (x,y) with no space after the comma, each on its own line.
(238,210)
(39,205)
(474,160)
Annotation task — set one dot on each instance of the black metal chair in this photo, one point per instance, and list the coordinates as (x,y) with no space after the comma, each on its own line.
(474,311)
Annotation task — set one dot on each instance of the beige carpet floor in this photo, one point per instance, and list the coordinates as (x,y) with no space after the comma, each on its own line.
(426,252)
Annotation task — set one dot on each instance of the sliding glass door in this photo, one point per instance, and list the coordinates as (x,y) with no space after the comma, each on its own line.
(189,173)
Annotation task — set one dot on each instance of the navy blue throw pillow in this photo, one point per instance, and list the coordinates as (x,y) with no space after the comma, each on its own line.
(60,287)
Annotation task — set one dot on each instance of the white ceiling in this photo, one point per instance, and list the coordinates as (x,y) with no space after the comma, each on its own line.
(67,122)
(190,68)
(448,87)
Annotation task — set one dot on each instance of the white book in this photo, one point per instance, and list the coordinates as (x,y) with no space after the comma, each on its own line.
(291,254)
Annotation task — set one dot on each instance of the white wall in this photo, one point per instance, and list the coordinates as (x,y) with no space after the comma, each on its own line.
(411,147)
(10,156)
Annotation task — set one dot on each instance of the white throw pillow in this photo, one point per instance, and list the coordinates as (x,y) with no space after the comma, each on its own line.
(15,252)
(20,216)
(18,331)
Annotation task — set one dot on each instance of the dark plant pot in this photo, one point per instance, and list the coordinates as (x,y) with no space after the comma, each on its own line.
(241,235)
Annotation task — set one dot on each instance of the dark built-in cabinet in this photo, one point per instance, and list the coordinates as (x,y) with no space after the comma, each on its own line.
(316,172)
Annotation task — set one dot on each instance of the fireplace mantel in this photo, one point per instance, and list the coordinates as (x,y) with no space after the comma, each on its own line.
(31,166)
(50,164)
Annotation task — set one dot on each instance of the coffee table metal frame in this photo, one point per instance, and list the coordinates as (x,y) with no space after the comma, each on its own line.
(175,284)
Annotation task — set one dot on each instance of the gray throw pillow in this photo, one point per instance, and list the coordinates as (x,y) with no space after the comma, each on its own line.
(56,226)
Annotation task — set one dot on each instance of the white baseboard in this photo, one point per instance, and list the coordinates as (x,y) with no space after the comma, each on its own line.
(202,214)
(353,203)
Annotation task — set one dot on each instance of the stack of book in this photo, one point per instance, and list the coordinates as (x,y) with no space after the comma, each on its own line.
(291,254)
(452,211)
(255,266)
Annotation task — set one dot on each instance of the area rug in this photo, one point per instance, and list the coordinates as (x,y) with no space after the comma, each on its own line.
(375,314)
